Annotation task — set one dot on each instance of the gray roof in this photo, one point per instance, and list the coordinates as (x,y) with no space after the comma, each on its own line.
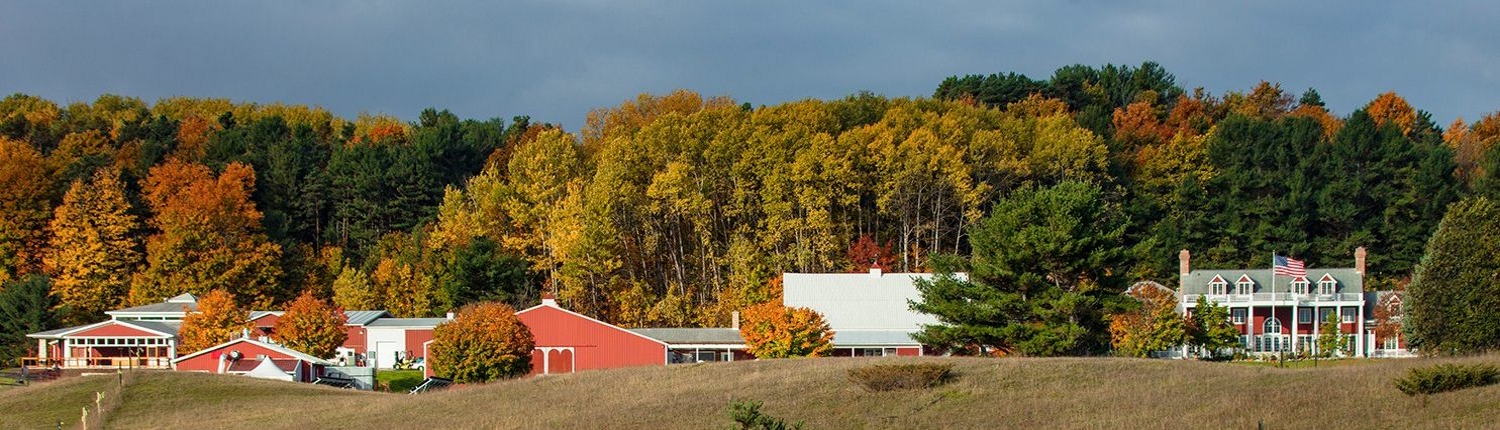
(850,338)
(1196,282)
(683,336)
(156,308)
(364,317)
(169,327)
(55,332)
(406,322)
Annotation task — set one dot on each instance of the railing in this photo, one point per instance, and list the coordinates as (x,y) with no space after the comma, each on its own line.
(98,362)
(1284,297)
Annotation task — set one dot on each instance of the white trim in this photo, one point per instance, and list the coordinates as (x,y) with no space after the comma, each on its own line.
(88,327)
(278,348)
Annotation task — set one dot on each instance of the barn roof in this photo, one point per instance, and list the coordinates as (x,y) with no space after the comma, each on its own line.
(701,336)
(848,338)
(271,346)
(163,328)
(364,317)
(407,322)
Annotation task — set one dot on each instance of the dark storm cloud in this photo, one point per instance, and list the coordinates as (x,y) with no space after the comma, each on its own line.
(556,60)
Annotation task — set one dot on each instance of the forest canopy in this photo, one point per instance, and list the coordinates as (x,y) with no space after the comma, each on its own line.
(676,209)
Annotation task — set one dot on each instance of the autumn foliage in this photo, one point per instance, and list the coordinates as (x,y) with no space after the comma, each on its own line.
(312,325)
(218,320)
(775,331)
(1154,326)
(484,342)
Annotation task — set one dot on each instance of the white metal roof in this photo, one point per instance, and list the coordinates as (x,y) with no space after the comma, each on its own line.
(859,301)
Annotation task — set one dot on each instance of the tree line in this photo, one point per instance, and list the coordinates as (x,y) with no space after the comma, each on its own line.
(674,210)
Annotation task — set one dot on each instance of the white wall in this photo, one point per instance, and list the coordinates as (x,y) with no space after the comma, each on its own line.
(383,343)
(859,301)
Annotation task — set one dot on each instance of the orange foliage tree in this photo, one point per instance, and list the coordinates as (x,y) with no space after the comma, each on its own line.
(312,325)
(1389,108)
(1154,326)
(775,331)
(211,236)
(484,342)
(218,320)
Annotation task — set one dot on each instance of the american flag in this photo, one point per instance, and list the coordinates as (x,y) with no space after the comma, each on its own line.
(1287,266)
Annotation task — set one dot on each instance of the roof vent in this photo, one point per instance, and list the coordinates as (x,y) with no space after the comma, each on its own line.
(875,269)
(183,298)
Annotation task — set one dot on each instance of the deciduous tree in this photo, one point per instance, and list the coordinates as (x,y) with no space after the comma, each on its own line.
(1331,337)
(312,326)
(775,331)
(1153,326)
(1211,331)
(93,250)
(484,342)
(218,319)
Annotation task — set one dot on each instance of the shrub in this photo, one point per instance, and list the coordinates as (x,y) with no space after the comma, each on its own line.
(891,377)
(747,415)
(1447,377)
(484,342)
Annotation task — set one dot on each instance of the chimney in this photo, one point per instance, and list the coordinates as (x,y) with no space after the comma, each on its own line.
(450,315)
(1359,261)
(875,269)
(1184,267)
(245,333)
(734,320)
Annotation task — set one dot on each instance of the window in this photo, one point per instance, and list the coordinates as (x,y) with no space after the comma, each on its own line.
(1391,342)
(1348,315)
(1327,286)
(1238,315)
(1299,285)
(1272,325)
(1304,315)
(1244,285)
(1218,286)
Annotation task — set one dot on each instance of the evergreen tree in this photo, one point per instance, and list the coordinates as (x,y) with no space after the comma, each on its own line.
(1453,302)
(25,308)
(93,250)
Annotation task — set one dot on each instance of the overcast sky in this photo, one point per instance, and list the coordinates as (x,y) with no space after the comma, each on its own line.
(557,60)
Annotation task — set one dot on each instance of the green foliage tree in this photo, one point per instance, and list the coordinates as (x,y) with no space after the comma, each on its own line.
(1045,260)
(1331,337)
(25,308)
(1453,302)
(1211,331)
(484,342)
(482,271)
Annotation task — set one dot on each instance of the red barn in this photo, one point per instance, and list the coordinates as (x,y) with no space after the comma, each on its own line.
(568,341)
(254,358)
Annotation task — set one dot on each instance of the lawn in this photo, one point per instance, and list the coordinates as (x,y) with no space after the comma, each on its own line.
(986,393)
(398,381)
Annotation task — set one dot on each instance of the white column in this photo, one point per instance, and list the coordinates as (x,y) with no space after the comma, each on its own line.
(1317,326)
(1250,327)
(1359,322)
(1294,326)
(41,349)
(67,348)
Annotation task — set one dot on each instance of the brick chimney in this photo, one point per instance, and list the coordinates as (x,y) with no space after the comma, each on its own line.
(1184,265)
(1359,261)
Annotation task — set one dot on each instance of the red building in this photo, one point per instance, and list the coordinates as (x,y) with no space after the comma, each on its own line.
(254,358)
(568,341)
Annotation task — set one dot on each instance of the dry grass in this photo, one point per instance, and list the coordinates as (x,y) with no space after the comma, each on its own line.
(1009,393)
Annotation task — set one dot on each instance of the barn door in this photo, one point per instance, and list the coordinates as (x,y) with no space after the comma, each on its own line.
(560,360)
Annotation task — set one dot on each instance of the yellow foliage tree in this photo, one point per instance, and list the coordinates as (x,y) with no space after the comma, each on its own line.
(775,331)
(92,251)
(218,319)
(24,201)
(312,326)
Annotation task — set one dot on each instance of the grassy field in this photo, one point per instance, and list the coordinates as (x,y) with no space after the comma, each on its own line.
(1007,393)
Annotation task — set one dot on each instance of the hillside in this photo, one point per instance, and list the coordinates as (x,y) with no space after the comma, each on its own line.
(1027,393)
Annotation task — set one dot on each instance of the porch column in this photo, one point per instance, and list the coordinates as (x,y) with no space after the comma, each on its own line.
(41,349)
(1359,338)
(67,348)
(1250,327)
(1294,327)
(1317,327)
(171,349)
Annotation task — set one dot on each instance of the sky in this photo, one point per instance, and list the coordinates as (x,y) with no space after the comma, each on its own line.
(556,60)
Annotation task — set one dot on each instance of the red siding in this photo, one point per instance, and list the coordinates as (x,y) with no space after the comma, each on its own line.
(266,324)
(415,337)
(908,352)
(210,362)
(114,329)
(356,339)
(595,345)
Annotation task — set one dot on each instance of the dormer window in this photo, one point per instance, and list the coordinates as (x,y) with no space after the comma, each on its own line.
(1217,286)
(1327,285)
(1244,285)
(1299,285)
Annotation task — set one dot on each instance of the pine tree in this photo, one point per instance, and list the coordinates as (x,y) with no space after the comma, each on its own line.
(1453,302)
(25,307)
(93,251)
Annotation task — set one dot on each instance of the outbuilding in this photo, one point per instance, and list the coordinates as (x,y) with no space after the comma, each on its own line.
(254,358)
(568,341)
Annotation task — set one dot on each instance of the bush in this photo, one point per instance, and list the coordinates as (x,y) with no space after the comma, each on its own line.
(747,415)
(484,342)
(1447,377)
(891,377)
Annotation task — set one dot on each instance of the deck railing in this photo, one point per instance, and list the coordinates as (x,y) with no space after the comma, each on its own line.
(1284,297)
(98,362)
